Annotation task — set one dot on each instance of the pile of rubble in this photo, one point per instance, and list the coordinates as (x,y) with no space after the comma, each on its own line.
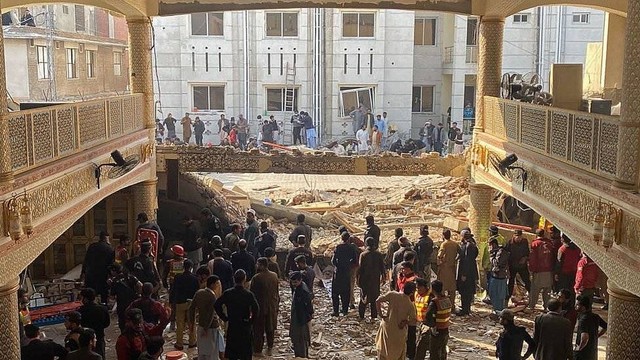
(425,200)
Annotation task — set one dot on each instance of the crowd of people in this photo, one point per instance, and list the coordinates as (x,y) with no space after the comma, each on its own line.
(223,292)
(373,134)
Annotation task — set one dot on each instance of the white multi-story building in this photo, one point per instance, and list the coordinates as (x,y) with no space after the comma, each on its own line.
(413,65)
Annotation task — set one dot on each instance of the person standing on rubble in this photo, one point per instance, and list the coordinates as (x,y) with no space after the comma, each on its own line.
(394,246)
(344,258)
(467,272)
(264,285)
(437,319)
(424,250)
(447,258)
(371,274)
(391,340)
(301,229)
(251,231)
(301,315)
(372,231)
(239,308)
(300,249)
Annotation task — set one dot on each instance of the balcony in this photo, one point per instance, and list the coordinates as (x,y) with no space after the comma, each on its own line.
(447,56)
(41,136)
(584,140)
(472,54)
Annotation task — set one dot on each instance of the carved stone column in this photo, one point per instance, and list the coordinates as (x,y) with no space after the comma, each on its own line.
(6,172)
(10,334)
(145,198)
(629,129)
(489,65)
(141,77)
(481,199)
(624,324)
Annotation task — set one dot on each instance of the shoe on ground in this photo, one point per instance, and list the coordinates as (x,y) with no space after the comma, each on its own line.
(269,351)
(335,314)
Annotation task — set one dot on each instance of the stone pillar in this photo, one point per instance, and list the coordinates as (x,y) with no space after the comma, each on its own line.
(10,334)
(6,172)
(489,65)
(145,198)
(624,324)
(613,52)
(481,199)
(140,61)
(629,128)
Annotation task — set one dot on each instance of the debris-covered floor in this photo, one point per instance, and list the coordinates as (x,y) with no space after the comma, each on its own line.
(472,337)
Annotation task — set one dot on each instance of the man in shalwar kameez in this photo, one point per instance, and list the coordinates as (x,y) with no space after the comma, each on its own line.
(391,341)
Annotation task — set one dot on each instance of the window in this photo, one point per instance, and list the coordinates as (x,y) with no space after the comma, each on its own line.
(424,32)
(472,31)
(91,63)
(72,63)
(117,63)
(282,24)
(211,24)
(520,18)
(276,99)
(207,97)
(352,97)
(580,18)
(42,53)
(422,99)
(358,24)
(65,9)
(80,25)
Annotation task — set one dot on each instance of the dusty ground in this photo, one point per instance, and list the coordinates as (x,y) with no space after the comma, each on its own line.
(472,337)
(416,200)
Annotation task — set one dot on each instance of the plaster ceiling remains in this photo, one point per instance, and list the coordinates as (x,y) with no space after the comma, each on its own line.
(489,8)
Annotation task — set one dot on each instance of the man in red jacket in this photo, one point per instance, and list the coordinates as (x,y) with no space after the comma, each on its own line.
(586,277)
(568,256)
(541,263)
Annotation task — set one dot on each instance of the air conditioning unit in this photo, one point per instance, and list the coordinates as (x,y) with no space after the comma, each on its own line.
(81,48)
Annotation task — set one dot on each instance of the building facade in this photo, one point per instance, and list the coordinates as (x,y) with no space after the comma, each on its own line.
(70,52)
(414,65)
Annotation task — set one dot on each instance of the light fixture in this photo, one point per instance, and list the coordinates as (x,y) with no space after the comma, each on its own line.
(119,167)
(18,217)
(506,165)
(611,226)
(597,225)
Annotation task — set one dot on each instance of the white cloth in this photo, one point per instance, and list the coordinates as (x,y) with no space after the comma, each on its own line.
(363,137)
(210,345)
(458,149)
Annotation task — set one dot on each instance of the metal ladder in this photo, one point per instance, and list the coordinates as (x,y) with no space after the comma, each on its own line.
(289,103)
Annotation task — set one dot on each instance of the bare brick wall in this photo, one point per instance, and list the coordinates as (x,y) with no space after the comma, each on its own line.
(104,82)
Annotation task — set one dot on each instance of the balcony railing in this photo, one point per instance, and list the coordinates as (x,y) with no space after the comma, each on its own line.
(42,135)
(472,54)
(585,140)
(447,57)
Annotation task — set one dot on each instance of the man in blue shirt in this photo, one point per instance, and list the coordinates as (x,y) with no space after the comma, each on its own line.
(382,128)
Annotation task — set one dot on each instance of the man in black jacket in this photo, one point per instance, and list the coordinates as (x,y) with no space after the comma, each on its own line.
(467,271)
(372,231)
(301,229)
(95,268)
(222,268)
(424,250)
(345,257)
(192,243)
(183,289)
(301,315)
(241,310)
(241,259)
(40,349)
(94,316)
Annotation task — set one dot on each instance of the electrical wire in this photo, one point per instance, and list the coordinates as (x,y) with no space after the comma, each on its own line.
(155,66)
